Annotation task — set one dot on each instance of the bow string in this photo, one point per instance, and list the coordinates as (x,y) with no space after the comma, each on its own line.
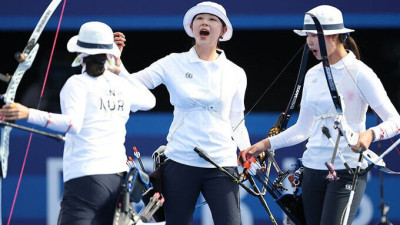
(283,119)
(261,173)
(25,59)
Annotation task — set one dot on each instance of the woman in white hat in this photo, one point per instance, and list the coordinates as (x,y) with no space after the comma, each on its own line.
(325,201)
(95,107)
(207,92)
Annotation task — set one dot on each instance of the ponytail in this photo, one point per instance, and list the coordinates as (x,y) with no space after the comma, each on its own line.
(350,43)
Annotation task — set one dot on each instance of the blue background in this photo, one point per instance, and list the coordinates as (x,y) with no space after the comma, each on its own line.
(158,14)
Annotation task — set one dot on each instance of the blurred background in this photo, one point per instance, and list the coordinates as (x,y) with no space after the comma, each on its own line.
(263,43)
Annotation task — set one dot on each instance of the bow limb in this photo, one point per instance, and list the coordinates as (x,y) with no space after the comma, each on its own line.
(340,121)
(283,119)
(297,88)
(325,64)
(275,129)
(20,57)
(268,88)
(26,59)
(8,98)
(276,186)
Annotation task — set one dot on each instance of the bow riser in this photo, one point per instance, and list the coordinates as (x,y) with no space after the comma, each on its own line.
(284,117)
(8,98)
(11,91)
(299,84)
(296,95)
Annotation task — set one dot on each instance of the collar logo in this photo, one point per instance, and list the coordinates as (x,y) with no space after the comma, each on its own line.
(189,75)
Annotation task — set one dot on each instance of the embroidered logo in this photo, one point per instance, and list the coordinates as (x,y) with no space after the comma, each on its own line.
(349,187)
(189,75)
(314,81)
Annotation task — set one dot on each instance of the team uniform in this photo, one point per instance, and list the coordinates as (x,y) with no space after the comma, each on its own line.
(94,114)
(360,87)
(208,100)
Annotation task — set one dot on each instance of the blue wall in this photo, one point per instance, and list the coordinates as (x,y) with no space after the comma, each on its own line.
(41,185)
(157,14)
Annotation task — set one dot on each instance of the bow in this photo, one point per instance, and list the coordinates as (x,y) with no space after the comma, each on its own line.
(25,59)
(239,180)
(283,119)
(289,203)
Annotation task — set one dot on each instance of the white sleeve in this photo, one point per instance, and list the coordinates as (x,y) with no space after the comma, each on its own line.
(240,133)
(73,105)
(376,96)
(238,98)
(53,121)
(150,77)
(297,133)
(300,131)
(143,99)
(390,125)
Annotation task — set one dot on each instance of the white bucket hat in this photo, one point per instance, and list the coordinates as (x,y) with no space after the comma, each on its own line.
(94,38)
(330,18)
(209,8)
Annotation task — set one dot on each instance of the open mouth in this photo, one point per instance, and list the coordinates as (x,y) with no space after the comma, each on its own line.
(204,33)
(314,51)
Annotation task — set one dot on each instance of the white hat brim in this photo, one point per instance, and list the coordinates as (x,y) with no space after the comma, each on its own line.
(73,47)
(326,32)
(198,9)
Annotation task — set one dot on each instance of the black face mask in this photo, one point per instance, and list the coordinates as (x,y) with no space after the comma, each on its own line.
(95,64)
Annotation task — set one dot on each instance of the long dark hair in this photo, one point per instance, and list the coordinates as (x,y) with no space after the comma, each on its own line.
(95,64)
(350,43)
